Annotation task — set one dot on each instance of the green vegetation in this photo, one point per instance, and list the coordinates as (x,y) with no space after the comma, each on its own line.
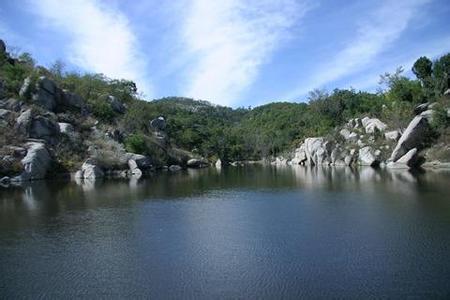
(215,131)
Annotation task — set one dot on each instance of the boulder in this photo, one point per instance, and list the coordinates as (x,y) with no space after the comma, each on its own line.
(143,162)
(47,94)
(174,168)
(35,163)
(5,117)
(370,125)
(316,150)
(38,127)
(197,163)
(70,100)
(413,137)
(409,160)
(134,169)
(23,122)
(66,128)
(12,104)
(299,155)
(27,88)
(116,105)
(44,128)
(421,108)
(393,135)
(447,92)
(367,157)
(218,164)
(345,133)
(158,124)
(280,161)
(89,170)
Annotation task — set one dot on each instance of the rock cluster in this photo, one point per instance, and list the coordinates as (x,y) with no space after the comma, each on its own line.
(359,146)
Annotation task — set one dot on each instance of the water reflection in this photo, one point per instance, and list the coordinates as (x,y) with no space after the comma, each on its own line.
(249,232)
(53,197)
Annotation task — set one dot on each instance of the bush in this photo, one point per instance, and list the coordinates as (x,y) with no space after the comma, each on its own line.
(135,143)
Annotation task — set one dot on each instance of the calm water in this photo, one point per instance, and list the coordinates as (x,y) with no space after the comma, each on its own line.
(240,233)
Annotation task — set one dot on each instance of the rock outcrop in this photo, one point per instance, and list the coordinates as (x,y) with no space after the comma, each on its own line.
(367,157)
(315,150)
(197,163)
(218,164)
(35,163)
(89,170)
(158,124)
(414,136)
(45,93)
(38,126)
(116,105)
(371,125)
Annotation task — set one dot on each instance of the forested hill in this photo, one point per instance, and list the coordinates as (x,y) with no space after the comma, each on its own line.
(113,108)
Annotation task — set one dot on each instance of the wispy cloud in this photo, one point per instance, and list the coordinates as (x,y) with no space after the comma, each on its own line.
(101,38)
(375,34)
(228,41)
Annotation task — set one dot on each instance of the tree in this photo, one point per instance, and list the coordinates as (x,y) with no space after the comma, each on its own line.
(423,68)
(441,73)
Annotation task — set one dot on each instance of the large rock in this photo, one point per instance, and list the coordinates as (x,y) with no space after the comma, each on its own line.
(409,160)
(393,135)
(317,151)
(44,128)
(36,162)
(371,125)
(345,133)
(421,108)
(158,124)
(143,162)
(47,94)
(38,127)
(134,169)
(5,117)
(413,137)
(367,157)
(197,163)
(175,168)
(299,155)
(89,170)
(116,105)
(70,100)
(23,122)
(218,164)
(12,104)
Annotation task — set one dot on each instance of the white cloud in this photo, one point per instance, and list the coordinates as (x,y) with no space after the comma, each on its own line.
(375,34)
(228,41)
(101,38)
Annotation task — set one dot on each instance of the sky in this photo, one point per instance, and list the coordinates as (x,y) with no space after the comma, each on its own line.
(230,52)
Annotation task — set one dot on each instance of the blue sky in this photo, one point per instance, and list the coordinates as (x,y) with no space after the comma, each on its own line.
(231,52)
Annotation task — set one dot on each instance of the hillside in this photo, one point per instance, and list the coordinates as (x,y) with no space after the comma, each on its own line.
(54,121)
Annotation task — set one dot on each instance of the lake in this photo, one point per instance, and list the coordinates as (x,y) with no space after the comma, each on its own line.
(251,232)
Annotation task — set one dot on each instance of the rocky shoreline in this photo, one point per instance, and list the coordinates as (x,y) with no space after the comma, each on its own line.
(369,142)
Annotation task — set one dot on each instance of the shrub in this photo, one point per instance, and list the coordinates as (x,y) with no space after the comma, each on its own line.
(136,143)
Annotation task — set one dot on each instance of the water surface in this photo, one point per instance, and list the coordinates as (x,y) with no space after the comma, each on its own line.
(236,233)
